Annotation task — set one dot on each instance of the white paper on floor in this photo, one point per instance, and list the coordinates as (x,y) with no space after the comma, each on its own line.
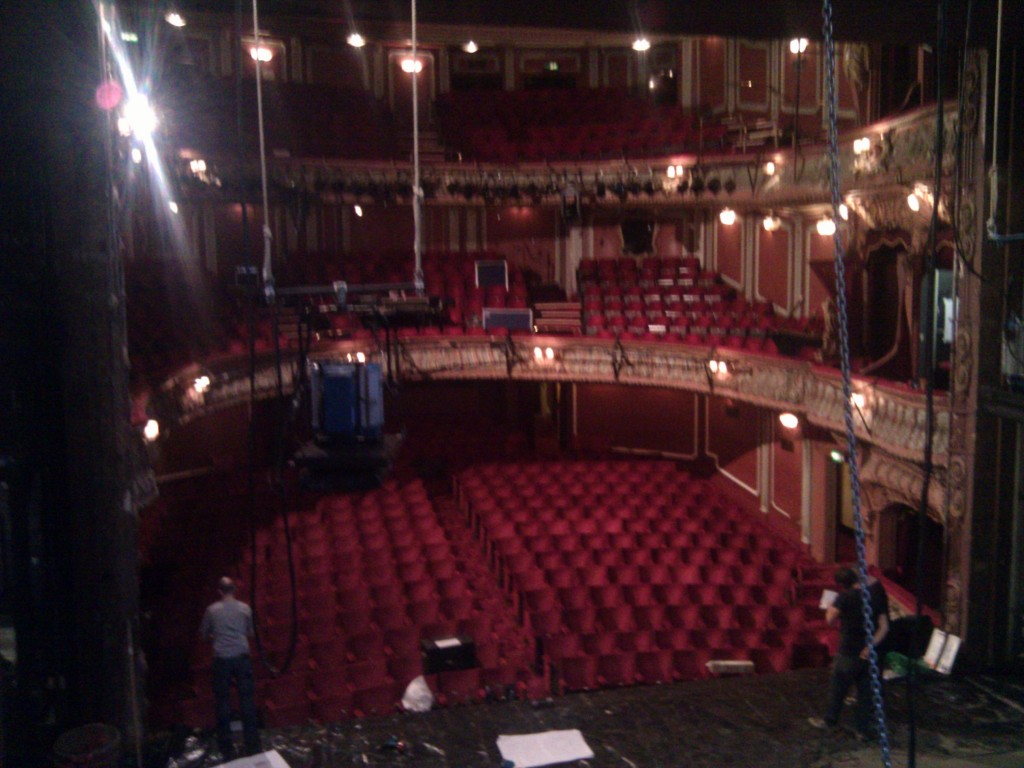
(532,750)
(269,759)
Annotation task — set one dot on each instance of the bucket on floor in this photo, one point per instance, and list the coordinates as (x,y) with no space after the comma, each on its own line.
(91,746)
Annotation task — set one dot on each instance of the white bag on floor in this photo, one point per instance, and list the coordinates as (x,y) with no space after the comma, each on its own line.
(418,697)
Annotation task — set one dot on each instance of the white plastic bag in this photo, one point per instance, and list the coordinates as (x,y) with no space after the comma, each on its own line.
(418,697)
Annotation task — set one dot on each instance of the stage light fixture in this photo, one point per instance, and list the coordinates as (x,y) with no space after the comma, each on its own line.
(798,45)
(356,40)
(261,53)
(470,47)
(140,116)
(641,44)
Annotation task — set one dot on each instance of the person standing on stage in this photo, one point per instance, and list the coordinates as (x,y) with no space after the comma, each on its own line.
(227,624)
(850,666)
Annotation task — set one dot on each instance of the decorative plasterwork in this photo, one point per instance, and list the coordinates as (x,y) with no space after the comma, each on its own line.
(886,480)
(888,418)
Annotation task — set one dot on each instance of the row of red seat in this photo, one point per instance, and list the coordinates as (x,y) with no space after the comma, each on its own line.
(724,588)
(377,574)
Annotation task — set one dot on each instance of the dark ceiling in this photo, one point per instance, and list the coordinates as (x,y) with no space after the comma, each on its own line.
(896,21)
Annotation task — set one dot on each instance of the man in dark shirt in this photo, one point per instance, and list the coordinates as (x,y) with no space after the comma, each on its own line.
(850,666)
(227,624)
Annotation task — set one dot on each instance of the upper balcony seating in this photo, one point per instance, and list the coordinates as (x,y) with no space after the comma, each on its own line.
(579,124)
(301,120)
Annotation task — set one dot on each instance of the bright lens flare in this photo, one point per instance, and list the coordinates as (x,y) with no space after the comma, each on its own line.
(140,116)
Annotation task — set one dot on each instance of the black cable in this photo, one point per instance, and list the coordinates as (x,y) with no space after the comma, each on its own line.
(928,365)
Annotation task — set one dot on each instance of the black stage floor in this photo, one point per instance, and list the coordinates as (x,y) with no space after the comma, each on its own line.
(721,723)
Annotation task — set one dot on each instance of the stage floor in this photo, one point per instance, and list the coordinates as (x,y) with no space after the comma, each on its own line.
(721,723)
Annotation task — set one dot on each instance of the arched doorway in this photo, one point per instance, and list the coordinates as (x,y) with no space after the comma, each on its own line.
(899,526)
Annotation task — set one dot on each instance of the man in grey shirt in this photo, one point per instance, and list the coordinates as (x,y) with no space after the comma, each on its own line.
(227,624)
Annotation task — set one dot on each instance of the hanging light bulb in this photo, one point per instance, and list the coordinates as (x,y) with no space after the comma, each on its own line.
(826,226)
(470,47)
(789,420)
(771,223)
(727,216)
(641,44)
(798,45)
(356,40)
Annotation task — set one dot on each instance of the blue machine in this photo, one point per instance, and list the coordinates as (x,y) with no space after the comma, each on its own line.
(347,401)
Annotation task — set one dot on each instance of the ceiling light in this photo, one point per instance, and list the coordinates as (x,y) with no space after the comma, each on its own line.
(356,40)
(641,44)
(470,47)
(411,65)
(771,223)
(727,216)
(789,420)
(175,19)
(798,45)
(826,226)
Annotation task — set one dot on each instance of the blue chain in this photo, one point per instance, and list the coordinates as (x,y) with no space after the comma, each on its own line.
(844,348)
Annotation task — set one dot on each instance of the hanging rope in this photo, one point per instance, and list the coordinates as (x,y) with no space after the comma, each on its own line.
(268,273)
(417,192)
(844,348)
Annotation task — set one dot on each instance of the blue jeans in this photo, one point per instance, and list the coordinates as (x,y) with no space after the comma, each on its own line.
(848,671)
(236,670)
